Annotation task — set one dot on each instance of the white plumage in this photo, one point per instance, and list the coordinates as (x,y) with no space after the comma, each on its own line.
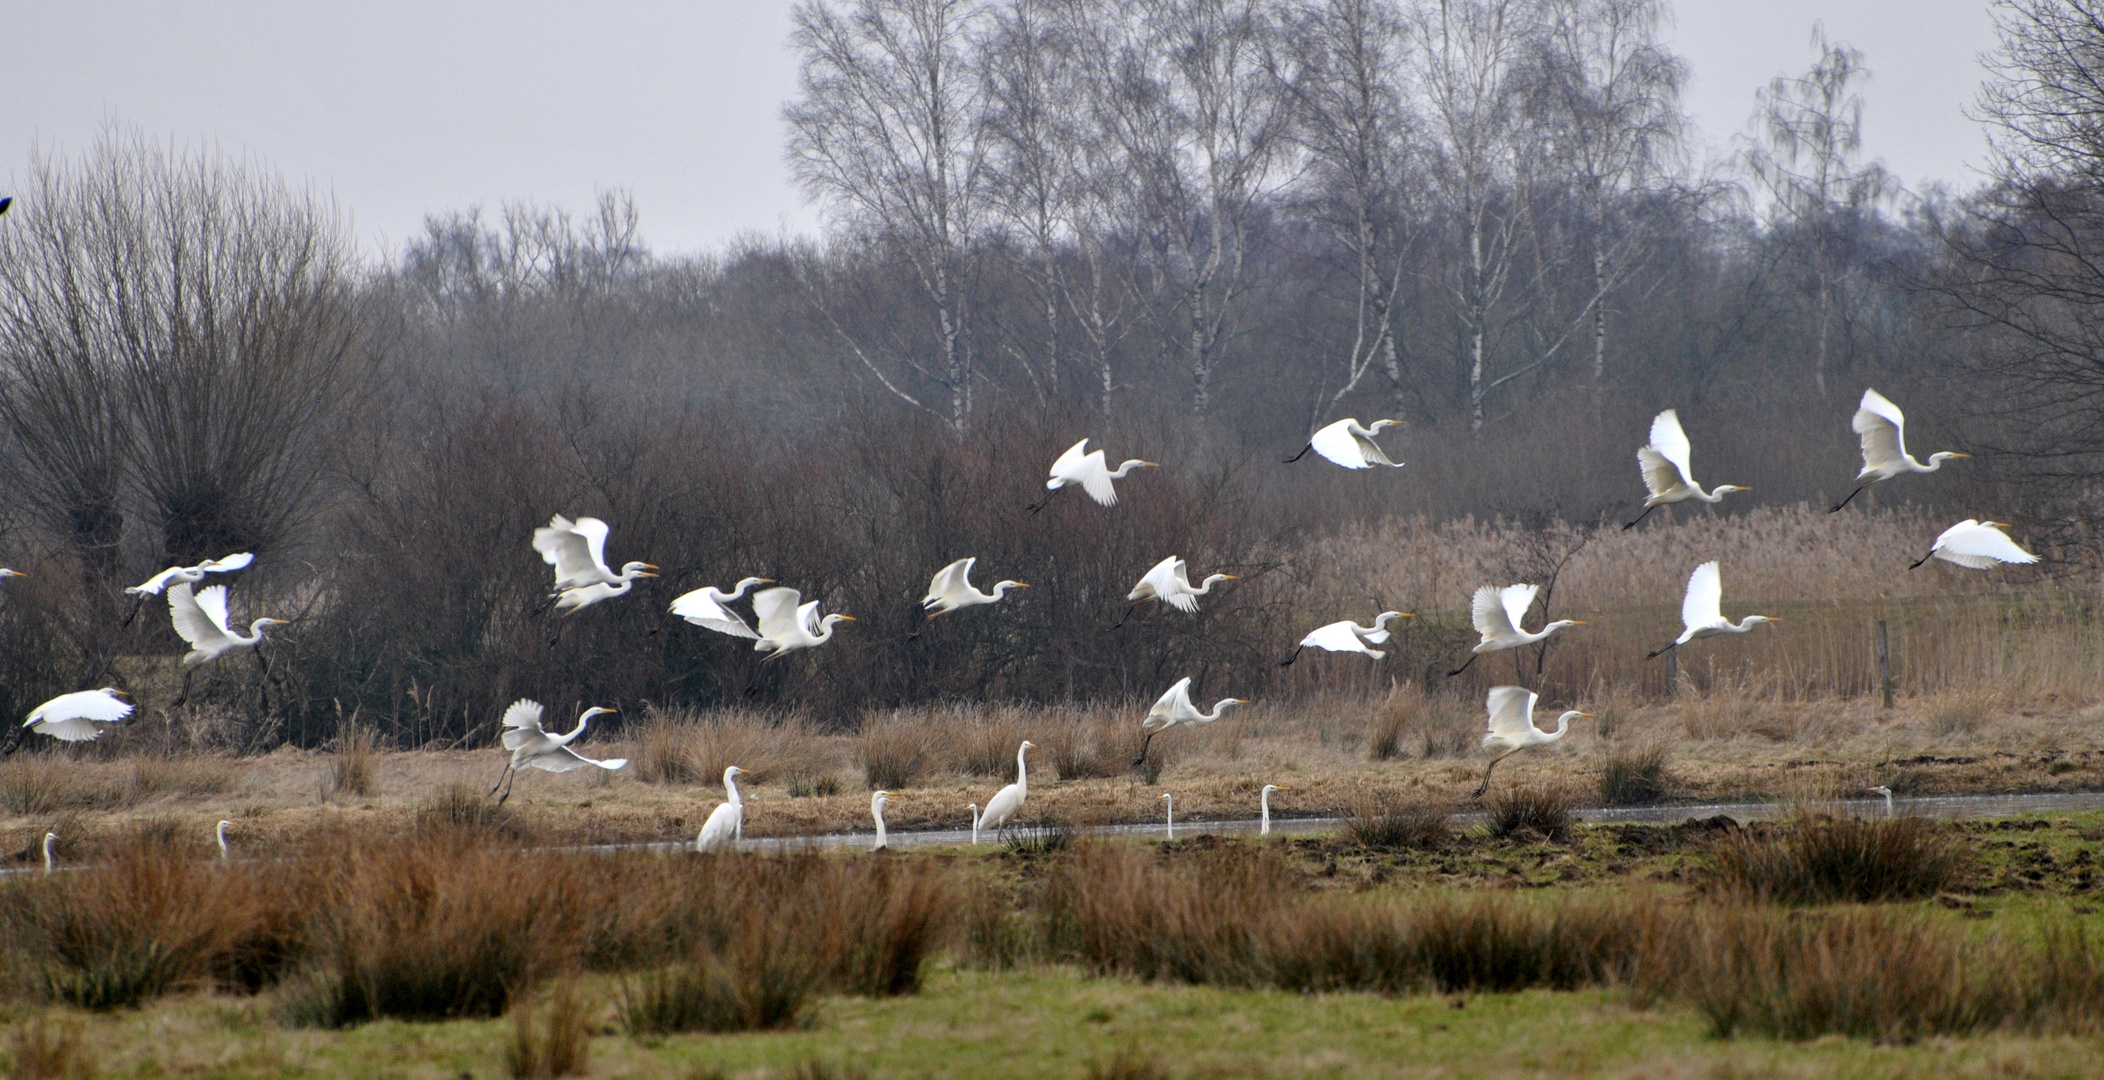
(709,608)
(727,821)
(1168,582)
(952,589)
(1001,809)
(577,551)
(1668,477)
(877,802)
(1499,615)
(1350,444)
(74,717)
(1088,470)
(1174,708)
(201,619)
(1883,431)
(1702,609)
(1348,636)
(533,747)
(1977,545)
(1512,726)
(193,574)
(787,625)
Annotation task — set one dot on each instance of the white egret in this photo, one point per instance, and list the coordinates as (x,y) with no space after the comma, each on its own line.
(876,810)
(726,823)
(1976,545)
(1001,809)
(1498,614)
(201,619)
(1512,727)
(1883,429)
(1350,444)
(1089,471)
(577,551)
(1169,582)
(786,625)
(534,748)
(50,853)
(1348,636)
(219,834)
(572,601)
(193,574)
(1702,610)
(952,589)
(73,717)
(975,823)
(709,608)
(1264,808)
(1887,793)
(1175,708)
(1169,809)
(1667,476)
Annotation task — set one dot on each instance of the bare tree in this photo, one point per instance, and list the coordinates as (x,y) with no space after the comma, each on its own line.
(888,132)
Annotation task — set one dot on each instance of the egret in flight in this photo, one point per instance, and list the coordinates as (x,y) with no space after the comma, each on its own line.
(709,608)
(1001,809)
(193,574)
(577,551)
(1883,429)
(74,717)
(1350,444)
(1348,636)
(1976,545)
(200,618)
(1264,808)
(1702,610)
(533,748)
(786,625)
(952,589)
(1664,464)
(1175,708)
(1169,582)
(1498,614)
(1089,471)
(1512,727)
(727,821)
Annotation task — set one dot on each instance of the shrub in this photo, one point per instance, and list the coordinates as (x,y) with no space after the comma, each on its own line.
(1048,835)
(559,1045)
(1531,809)
(461,808)
(1388,822)
(351,767)
(1633,775)
(1827,860)
(892,751)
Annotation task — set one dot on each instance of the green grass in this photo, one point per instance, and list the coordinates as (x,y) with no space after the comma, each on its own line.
(1056,1023)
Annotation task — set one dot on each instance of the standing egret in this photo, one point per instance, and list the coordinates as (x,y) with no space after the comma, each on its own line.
(1887,793)
(534,748)
(975,823)
(1512,727)
(1001,809)
(201,619)
(50,857)
(1264,808)
(1702,610)
(577,551)
(1175,708)
(1169,809)
(786,626)
(1348,636)
(193,574)
(1976,545)
(709,608)
(1169,582)
(219,834)
(1349,444)
(952,589)
(876,810)
(1498,614)
(1883,429)
(1664,464)
(727,822)
(73,717)
(1089,471)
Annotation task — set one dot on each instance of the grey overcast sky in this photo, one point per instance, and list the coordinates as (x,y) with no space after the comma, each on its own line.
(406,108)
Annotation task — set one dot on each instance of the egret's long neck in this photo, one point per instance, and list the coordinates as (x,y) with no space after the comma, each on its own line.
(1712,496)
(880,826)
(1219,708)
(825,630)
(735,594)
(730,790)
(1563,727)
(1021,769)
(566,740)
(1264,805)
(1205,586)
(1126,468)
(1001,589)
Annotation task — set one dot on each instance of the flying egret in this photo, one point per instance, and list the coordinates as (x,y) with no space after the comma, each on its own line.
(876,810)
(1264,808)
(1883,429)
(709,608)
(727,822)
(1512,727)
(1887,793)
(577,551)
(1089,471)
(1664,464)
(534,748)
(219,834)
(1348,636)
(1349,444)
(786,625)
(1976,545)
(1169,582)
(975,823)
(1169,809)
(1702,610)
(1001,809)
(73,717)
(201,619)
(572,601)
(50,854)
(1175,708)
(193,574)
(952,589)
(1498,614)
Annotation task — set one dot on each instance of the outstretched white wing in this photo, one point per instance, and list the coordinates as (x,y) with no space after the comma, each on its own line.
(1511,711)
(1979,545)
(1343,637)
(807,617)
(1704,604)
(954,578)
(1178,594)
(1671,442)
(81,704)
(1883,429)
(199,617)
(776,609)
(594,532)
(1095,478)
(522,723)
(1157,583)
(1163,712)
(1489,614)
(152,586)
(1516,600)
(1336,443)
(236,561)
(564,759)
(703,610)
(1064,466)
(563,547)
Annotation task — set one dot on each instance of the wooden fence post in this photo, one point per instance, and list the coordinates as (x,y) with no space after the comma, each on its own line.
(1884,663)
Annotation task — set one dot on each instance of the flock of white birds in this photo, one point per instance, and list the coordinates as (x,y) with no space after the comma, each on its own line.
(783,622)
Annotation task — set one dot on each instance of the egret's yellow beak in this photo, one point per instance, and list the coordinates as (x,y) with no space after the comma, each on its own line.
(1232,577)
(1956,454)
(847,618)
(1588,716)
(1580,622)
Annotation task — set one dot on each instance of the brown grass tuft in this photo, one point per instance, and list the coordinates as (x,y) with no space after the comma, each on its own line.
(559,1044)
(1820,859)
(1633,774)
(1386,821)
(352,766)
(45,1050)
(1531,810)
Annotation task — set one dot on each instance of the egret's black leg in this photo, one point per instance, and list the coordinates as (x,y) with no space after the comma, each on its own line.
(1464,667)
(1851,498)
(1303,453)
(1288,662)
(1639,518)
